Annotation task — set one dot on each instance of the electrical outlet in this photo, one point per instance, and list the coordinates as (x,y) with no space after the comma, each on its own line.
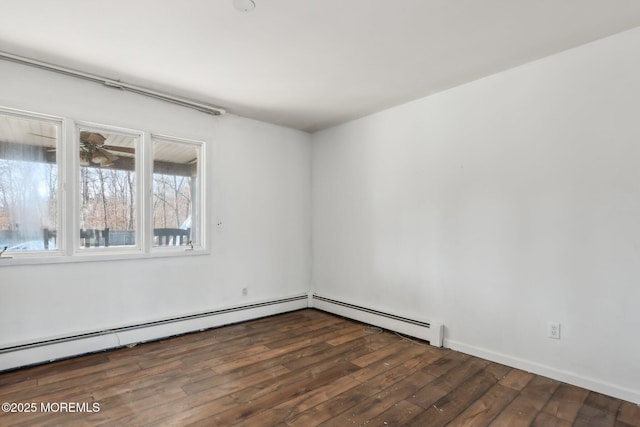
(245,291)
(554,330)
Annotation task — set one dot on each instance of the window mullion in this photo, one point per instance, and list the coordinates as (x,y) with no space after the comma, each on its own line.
(145,194)
(68,223)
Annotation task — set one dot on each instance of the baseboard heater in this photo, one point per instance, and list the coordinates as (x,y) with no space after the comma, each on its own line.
(428,331)
(30,353)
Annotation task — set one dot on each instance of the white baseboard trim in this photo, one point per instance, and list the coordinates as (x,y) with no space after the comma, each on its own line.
(547,371)
(50,349)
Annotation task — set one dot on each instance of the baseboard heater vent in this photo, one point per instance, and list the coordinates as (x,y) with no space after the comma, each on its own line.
(34,352)
(428,331)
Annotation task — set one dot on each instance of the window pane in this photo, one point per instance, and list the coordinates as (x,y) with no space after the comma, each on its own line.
(175,192)
(107,189)
(28,184)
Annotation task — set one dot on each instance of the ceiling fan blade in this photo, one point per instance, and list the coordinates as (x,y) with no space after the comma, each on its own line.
(109,155)
(119,149)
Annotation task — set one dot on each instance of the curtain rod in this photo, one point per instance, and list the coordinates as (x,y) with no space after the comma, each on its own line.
(205,108)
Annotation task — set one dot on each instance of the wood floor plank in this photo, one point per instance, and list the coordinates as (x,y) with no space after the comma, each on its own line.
(59,368)
(303,368)
(448,407)
(345,338)
(401,365)
(258,334)
(380,401)
(261,409)
(533,397)
(304,347)
(324,335)
(230,384)
(299,404)
(540,389)
(347,351)
(516,379)
(544,419)
(445,384)
(391,375)
(629,414)
(598,410)
(401,414)
(407,360)
(376,356)
(449,361)
(498,370)
(331,408)
(519,413)
(234,408)
(252,394)
(484,410)
(566,402)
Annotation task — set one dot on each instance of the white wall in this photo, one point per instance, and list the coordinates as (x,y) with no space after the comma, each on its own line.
(259,188)
(496,207)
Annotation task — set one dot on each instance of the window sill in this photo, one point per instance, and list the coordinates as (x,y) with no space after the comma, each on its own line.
(41,258)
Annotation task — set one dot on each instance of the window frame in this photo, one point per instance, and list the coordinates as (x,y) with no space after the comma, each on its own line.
(68,193)
(61,208)
(200,243)
(75,187)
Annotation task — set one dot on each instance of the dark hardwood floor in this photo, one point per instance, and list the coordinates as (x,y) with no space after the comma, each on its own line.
(303,368)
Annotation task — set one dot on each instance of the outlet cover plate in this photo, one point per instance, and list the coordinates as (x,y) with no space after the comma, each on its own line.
(553,330)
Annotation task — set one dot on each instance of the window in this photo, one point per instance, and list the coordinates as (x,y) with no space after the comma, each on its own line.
(29,184)
(96,190)
(107,188)
(176,192)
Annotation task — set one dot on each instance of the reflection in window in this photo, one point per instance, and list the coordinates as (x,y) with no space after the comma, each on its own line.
(28,183)
(176,209)
(107,189)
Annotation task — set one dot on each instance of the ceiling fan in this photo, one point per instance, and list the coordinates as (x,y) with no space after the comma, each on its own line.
(94,150)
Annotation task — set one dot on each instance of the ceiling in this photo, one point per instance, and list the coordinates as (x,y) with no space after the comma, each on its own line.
(304,64)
